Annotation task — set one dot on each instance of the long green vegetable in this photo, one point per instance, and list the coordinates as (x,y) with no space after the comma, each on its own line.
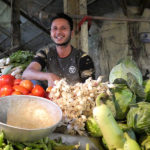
(111,132)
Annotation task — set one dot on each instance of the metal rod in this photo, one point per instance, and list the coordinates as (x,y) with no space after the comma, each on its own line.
(111,19)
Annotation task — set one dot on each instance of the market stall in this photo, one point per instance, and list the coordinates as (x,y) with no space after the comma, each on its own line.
(95,114)
(110,112)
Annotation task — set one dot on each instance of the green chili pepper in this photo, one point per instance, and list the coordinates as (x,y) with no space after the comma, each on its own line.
(1,138)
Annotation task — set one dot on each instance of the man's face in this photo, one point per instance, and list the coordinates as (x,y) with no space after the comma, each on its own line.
(60,32)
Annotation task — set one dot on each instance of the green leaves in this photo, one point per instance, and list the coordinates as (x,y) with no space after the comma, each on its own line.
(21,58)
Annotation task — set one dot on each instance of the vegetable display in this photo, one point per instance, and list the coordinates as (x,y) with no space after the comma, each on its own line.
(117,111)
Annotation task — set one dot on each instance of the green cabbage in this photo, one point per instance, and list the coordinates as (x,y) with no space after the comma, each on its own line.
(125,66)
(138,117)
(93,128)
(123,97)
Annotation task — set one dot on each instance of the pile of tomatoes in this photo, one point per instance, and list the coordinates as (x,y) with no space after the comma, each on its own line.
(9,85)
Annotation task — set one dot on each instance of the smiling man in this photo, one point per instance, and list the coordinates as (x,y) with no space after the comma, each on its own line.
(61,60)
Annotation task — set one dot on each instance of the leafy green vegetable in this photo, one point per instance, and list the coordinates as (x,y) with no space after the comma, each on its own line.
(93,128)
(125,66)
(138,117)
(123,97)
(21,58)
(135,87)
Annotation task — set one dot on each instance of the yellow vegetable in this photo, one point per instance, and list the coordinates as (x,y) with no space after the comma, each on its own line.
(130,144)
(111,132)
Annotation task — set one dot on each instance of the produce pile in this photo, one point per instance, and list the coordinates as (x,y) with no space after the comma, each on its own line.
(43,144)
(77,102)
(15,63)
(9,85)
(117,112)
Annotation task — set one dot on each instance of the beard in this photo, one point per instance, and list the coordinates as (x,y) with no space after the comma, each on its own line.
(64,43)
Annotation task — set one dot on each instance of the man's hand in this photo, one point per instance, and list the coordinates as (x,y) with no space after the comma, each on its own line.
(33,72)
(51,79)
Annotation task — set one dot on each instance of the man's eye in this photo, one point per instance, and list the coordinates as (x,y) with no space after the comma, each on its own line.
(63,28)
(54,29)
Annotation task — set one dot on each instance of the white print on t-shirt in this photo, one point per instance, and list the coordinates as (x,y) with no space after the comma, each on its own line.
(72,69)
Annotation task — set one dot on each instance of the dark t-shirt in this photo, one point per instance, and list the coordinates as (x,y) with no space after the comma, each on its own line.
(76,67)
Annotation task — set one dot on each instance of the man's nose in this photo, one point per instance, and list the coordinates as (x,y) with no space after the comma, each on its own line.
(58,30)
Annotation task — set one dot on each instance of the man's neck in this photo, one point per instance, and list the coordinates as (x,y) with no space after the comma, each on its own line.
(63,51)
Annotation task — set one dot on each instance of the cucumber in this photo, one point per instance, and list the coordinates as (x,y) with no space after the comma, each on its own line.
(111,131)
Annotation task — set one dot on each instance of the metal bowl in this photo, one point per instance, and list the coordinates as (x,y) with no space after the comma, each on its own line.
(23,108)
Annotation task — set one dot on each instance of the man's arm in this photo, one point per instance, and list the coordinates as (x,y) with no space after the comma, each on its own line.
(33,72)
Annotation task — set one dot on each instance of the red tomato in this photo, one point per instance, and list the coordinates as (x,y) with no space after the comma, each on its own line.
(17,81)
(6,90)
(38,91)
(21,89)
(27,84)
(16,93)
(7,79)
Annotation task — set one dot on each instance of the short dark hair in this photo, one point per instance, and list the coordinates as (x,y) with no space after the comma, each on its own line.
(63,16)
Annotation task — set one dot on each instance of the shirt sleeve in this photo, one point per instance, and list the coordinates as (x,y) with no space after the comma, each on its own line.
(41,58)
(86,67)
